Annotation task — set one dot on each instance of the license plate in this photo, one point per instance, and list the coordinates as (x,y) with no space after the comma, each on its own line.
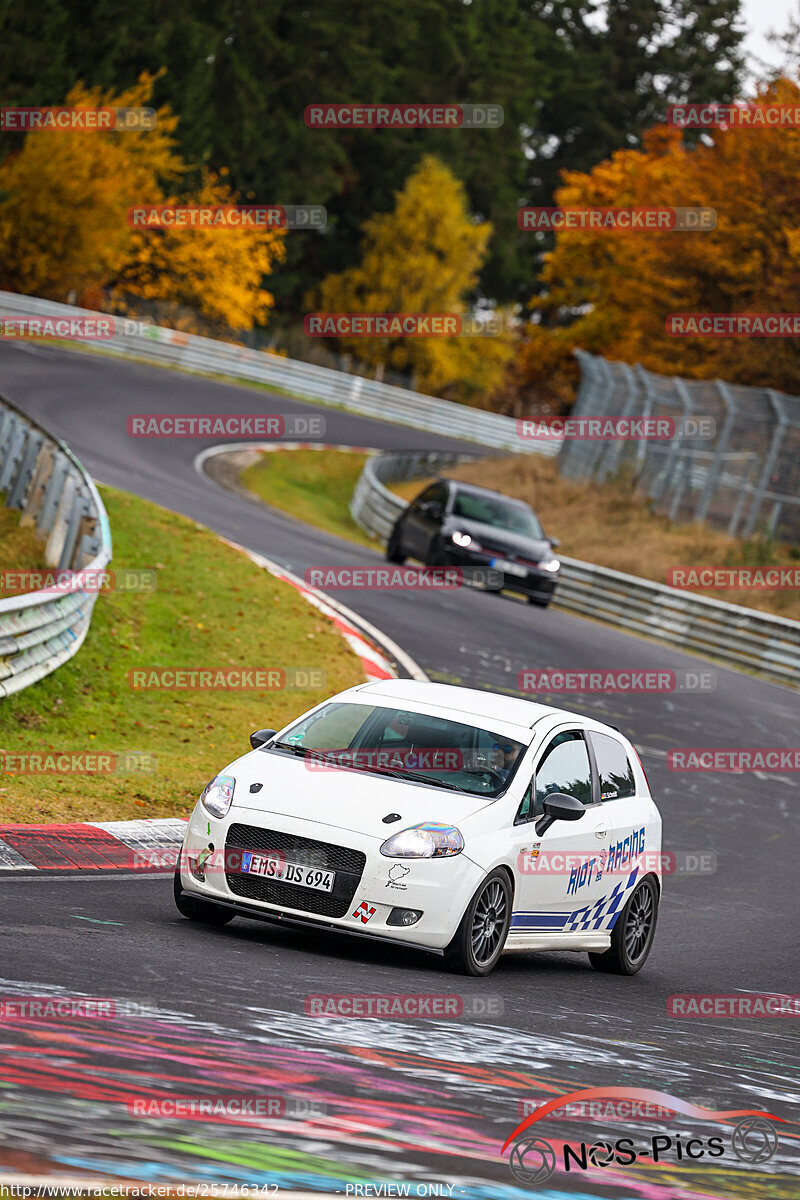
(510,568)
(276,867)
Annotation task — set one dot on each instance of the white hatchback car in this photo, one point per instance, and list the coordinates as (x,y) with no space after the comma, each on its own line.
(456,821)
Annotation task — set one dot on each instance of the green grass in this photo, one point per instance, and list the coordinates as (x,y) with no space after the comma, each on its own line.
(212,608)
(20,549)
(316,486)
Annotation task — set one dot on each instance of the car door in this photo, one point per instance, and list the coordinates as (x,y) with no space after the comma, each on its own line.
(627,815)
(560,872)
(424,519)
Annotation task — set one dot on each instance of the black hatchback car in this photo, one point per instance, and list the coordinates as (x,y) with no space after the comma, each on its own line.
(453,524)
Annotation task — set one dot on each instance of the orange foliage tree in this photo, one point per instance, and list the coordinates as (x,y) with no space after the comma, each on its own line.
(623,285)
(64,200)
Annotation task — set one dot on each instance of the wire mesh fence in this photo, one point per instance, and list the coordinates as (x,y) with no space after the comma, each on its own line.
(738,471)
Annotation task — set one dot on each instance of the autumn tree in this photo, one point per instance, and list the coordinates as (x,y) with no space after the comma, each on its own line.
(64,201)
(423,257)
(611,292)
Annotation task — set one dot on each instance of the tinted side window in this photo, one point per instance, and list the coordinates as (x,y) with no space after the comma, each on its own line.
(614,768)
(436,492)
(564,767)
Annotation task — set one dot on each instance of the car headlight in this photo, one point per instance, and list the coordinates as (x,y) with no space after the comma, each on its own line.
(217,796)
(461,539)
(429,840)
(550,564)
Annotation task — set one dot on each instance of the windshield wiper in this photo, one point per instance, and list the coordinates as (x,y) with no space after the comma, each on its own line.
(300,751)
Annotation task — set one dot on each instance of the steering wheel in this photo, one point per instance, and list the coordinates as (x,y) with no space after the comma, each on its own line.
(496,778)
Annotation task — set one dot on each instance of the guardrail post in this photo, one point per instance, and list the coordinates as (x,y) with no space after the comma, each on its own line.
(38,488)
(52,495)
(12,452)
(16,494)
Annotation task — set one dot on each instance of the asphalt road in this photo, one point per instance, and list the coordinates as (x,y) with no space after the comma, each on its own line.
(428,1100)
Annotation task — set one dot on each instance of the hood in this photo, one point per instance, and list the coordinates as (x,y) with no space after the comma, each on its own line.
(503,540)
(339,798)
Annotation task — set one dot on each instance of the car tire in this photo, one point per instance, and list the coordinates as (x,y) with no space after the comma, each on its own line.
(393,554)
(198,910)
(467,953)
(539,601)
(632,936)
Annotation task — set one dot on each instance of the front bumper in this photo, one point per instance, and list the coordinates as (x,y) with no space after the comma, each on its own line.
(535,583)
(438,888)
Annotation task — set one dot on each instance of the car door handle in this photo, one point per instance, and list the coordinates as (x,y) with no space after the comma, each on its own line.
(601,830)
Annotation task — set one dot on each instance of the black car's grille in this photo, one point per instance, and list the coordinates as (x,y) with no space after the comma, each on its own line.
(348,865)
(497,548)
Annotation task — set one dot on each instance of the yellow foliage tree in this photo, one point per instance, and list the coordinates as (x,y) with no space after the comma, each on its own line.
(64,229)
(629,282)
(217,272)
(424,257)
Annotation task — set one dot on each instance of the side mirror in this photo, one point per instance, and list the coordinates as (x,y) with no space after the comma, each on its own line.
(559,807)
(261,736)
(554,542)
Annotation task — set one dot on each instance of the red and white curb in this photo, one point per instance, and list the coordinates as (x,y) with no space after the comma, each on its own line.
(92,845)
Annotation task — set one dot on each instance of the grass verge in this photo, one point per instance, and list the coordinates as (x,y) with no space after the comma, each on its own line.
(612,527)
(315,486)
(20,549)
(212,608)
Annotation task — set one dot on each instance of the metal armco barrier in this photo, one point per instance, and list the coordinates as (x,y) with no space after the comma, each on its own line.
(738,637)
(322,385)
(42,478)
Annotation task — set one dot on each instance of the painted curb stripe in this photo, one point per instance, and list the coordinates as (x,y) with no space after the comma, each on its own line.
(64,847)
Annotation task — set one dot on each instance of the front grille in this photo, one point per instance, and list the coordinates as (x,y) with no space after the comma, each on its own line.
(348,865)
(496,548)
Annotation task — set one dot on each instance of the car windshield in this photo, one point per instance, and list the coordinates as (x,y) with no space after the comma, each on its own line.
(491,511)
(406,745)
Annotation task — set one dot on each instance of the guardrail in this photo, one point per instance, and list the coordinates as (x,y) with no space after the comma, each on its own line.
(41,476)
(154,343)
(736,636)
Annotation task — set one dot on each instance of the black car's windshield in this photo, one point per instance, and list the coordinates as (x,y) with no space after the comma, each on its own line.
(487,510)
(405,745)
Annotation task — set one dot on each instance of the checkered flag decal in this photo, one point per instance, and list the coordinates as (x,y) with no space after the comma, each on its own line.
(604,912)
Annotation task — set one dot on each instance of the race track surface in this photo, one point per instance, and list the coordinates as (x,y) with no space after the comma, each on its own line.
(427,1100)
